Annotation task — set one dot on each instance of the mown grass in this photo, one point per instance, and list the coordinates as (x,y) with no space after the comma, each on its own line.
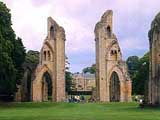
(77,111)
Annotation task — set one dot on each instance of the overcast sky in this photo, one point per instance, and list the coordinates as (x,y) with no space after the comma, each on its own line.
(131,22)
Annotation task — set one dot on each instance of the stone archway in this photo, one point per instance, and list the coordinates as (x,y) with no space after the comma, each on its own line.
(27,85)
(117,73)
(46,87)
(114,87)
(43,80)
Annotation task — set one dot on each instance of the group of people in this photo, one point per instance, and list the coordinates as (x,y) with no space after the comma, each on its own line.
(80,99)
(76,98)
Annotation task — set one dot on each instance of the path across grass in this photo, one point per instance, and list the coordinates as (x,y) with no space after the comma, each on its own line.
(77,111)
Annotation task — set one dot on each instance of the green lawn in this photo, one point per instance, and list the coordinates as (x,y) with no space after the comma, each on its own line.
(77,111)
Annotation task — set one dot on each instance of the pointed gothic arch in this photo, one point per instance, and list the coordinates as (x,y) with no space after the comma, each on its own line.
(41,84)
(27,85)
(52,32)
(47,87)
(114,87)
(109,32)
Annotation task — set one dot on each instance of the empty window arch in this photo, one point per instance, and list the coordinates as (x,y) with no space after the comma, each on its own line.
(49,56)
(108,30)
(113,55)
(52,31)
(44,55)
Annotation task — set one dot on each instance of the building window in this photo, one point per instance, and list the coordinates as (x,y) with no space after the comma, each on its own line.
(113,55)
(108,31)
(49,55)
(52,31)
(44,55)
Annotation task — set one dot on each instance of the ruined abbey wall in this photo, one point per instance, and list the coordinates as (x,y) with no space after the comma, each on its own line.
(154,72)
(52,61)
(113,82)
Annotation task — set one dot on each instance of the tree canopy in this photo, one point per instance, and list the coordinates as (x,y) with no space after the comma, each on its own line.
(32,57)
(139,72)
(91,69)
(68,76)
(12,54)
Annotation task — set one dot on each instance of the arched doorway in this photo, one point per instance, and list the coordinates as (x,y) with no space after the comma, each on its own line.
(26,85)
(114,88)
(28,89)
(46,87)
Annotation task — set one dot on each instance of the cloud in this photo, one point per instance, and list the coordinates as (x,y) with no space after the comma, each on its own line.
(131,22)
(29,22)
(133,43)
(38,3)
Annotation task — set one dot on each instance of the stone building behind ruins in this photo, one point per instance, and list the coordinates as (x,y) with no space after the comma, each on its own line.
(83,81)
(112,79)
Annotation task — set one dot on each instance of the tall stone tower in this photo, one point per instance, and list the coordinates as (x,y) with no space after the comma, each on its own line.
(50,73)
(154,72)
(113,82)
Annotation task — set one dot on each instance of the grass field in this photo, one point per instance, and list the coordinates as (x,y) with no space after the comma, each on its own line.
(77,111)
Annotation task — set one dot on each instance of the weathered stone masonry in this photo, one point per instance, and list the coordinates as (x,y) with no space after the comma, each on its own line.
(112,80)
(154,72)
(52,62)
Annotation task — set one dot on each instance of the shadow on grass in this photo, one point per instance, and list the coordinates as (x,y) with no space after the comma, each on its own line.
(28,104)
(107,106)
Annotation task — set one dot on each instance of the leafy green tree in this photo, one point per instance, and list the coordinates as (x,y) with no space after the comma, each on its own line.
(12,54)
(18,56)
(32,57)
(139,72)
(141,76)
(132,63)
(68,77)
(8,71)
(91,69)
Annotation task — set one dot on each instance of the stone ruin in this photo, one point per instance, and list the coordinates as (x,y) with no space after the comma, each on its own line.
(113,81)
(48,79)
(154,68)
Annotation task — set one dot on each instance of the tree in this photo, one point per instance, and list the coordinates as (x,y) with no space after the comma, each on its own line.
(68,77)
(7,72)
(91,69)
(12,54)
(32,57)
(142,75)
(132,63)
(18,56)
(139,72)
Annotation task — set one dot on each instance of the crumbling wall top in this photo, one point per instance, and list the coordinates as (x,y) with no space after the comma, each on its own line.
(155,26)
(106,15)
